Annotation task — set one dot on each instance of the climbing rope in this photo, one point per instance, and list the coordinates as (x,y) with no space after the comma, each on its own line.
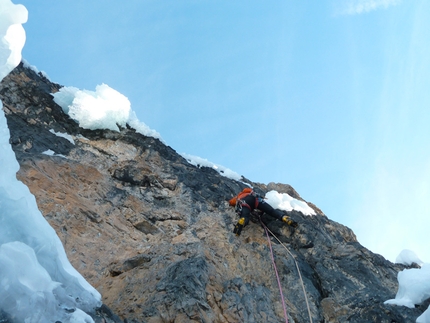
(266,229)
(276,272)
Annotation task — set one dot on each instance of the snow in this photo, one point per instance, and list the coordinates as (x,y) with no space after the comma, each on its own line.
(104,108)
(37,281)
(283,201)
(12,35)
(50,152)
(35,274)
(201,162)
(63,135)
(22,274)
(407,258)
(79,316)
(425,317)
(34,68)
(414,286)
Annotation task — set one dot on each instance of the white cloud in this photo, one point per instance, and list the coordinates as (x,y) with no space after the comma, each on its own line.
(356,7)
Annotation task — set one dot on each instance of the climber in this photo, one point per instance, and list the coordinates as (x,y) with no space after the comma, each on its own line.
(247,201)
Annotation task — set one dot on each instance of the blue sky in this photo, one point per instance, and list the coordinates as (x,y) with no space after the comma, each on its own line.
(328,96)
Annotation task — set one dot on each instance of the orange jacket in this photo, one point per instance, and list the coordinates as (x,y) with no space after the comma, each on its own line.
(246,191)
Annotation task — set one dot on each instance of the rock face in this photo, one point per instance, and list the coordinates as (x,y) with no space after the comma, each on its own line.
(154,234)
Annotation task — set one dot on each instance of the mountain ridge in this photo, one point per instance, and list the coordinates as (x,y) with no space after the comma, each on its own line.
(153,233)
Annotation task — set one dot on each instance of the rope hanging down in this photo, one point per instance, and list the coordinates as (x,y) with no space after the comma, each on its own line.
(266,229)
(276,272)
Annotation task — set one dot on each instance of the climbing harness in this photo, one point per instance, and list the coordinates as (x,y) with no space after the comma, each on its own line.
(267,230)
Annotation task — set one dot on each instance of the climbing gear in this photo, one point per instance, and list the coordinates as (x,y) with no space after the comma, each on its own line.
(239,226)
(267,230)
(240,204)
(276,272)
(288,221)
(238,208)
(246,191)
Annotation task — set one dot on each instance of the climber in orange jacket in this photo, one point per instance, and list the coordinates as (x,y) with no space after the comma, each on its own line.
(247,201)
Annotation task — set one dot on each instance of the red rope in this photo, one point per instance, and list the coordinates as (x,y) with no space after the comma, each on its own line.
(276,271)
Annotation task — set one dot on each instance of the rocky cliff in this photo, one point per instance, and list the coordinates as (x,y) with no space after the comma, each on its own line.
(153,233)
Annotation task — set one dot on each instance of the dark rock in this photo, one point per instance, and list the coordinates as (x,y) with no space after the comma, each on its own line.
(4,318)
(105,315)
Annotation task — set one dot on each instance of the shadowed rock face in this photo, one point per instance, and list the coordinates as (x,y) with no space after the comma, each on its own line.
(154,234)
